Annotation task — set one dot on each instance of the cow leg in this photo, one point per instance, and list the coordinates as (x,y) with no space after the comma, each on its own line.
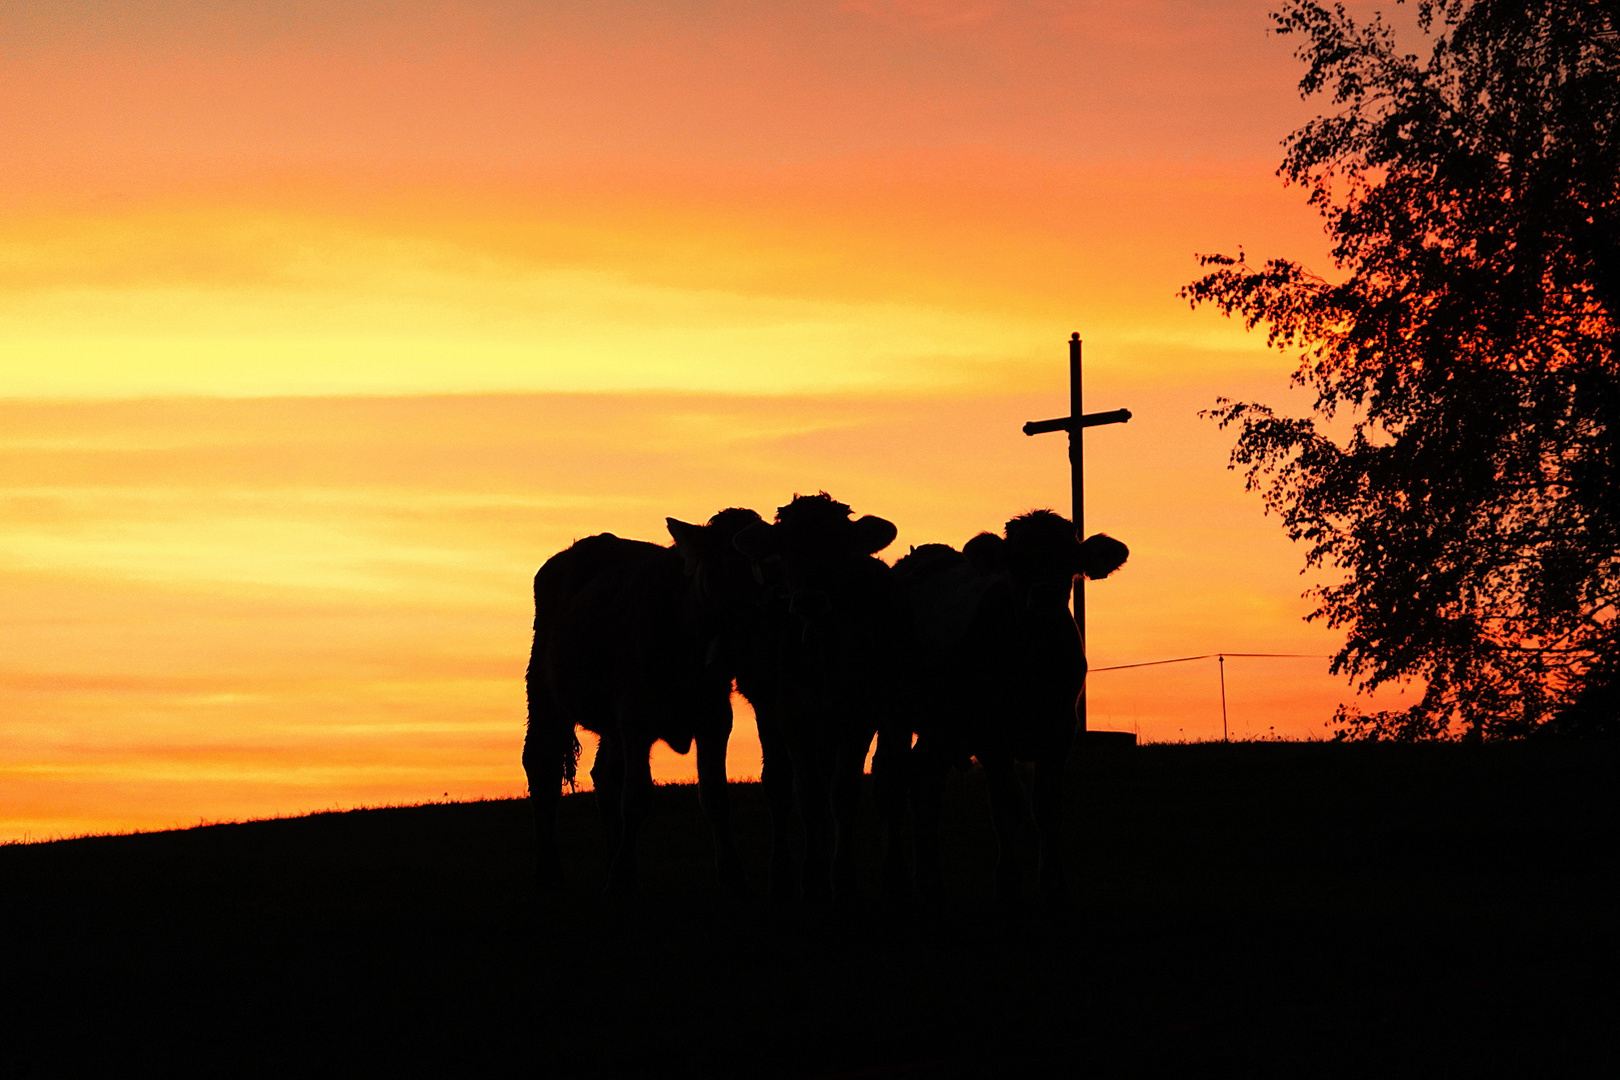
(548,738)
(889,783)
(1007,813)
(776,777)
(812,789)
(635,803)
(607,777)
(1049,770)
(716,799)
(846,810)
(927,767)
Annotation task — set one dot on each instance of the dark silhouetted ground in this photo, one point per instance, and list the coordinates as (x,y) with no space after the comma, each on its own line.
(1279,909)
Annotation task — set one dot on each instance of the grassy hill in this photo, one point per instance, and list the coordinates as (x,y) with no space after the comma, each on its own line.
(1303,909)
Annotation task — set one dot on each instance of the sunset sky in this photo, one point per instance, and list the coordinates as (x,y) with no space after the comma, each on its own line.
(323,324)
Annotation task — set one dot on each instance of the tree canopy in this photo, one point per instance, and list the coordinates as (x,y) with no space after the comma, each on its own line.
(1466,342)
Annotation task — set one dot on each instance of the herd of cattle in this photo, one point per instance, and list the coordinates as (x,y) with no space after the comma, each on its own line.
(944,657)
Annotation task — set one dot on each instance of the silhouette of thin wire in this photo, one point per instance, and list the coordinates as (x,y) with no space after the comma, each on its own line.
(1221,657)
(1212,656)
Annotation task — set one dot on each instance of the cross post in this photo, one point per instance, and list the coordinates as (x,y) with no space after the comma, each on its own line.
(1077,478)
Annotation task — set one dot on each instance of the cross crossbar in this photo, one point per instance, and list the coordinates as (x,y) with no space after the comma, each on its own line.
(1063,423)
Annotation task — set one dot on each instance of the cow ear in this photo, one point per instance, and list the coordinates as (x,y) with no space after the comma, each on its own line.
(1101,555)
(759,541)
(685,535)
(873,534)
(688,541)
(984,552)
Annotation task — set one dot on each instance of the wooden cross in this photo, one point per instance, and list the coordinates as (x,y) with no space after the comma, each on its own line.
(1077,476)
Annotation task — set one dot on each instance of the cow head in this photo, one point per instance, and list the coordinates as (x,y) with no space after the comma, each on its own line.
(814,551)
(1042,557)
(723,586)
(813,535)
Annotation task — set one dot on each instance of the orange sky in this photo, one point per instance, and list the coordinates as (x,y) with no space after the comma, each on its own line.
(322,325)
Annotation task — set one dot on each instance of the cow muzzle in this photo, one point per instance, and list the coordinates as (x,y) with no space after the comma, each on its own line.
(810,606)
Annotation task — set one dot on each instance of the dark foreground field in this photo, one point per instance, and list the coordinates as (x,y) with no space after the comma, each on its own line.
(1287,909)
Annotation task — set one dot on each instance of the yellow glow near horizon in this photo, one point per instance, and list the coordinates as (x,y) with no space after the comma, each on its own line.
(222,608)
(573,291)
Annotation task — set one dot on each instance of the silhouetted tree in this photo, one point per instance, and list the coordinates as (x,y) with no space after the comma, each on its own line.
(1469,343)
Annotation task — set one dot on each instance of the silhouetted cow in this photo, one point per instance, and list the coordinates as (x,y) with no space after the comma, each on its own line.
(825,670)
(1002,670)
(630,640)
